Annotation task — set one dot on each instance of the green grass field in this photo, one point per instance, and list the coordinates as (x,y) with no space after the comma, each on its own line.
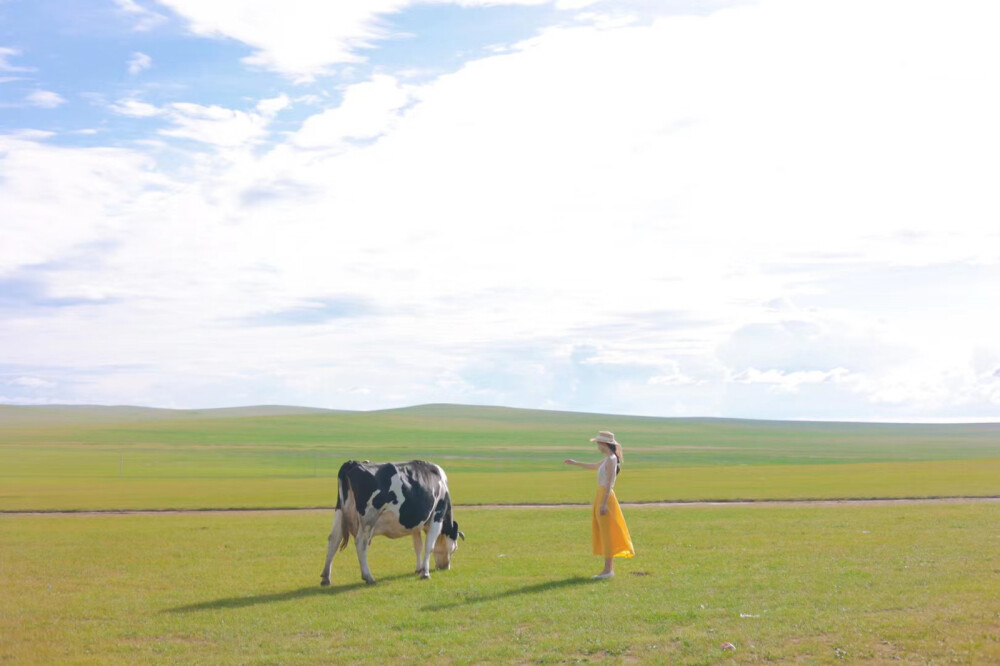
(77,458)
(915,583)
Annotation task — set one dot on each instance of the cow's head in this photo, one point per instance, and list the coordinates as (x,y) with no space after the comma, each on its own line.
(446,544)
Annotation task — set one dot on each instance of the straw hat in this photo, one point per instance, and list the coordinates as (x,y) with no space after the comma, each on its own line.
(605,437)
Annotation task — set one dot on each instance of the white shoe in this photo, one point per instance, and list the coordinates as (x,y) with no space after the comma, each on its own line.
(605,575)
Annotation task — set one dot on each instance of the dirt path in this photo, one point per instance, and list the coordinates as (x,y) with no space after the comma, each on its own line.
(474,507)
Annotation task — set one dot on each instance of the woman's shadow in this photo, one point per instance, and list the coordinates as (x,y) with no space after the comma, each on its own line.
(537,588)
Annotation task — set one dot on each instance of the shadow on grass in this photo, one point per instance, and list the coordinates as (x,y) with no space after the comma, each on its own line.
(291,595)
(538,588)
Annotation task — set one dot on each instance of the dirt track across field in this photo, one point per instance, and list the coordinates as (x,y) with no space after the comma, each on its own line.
(473,507)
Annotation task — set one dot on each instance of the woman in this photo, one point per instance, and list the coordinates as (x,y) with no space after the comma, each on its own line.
(610,534)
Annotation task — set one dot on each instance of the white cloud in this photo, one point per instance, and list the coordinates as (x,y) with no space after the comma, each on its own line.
(274,105)
(135,108)
(301,38)
(368,110)
(139,62)
(6,53)
(44,99)
(575,4)
(99,191)
(144,19)
(30,135)
(671,375)
(32,383)
(214,125)
(789,382)
(758,172)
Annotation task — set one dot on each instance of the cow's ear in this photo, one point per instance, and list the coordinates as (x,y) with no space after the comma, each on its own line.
(457,532)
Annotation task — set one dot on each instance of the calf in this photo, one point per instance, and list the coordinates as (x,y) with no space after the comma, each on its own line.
(393,500)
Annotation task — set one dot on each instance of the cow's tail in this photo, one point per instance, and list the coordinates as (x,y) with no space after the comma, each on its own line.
(343,488)
(340,520)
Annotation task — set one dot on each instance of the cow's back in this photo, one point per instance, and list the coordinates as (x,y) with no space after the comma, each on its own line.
(415,490)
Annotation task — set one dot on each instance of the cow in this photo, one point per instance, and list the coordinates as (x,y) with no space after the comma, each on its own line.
(393,500)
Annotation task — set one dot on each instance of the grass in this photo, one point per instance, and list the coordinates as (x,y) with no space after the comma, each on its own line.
(962,478)
(810,584)
(474,439)
(872,584)
(80,458)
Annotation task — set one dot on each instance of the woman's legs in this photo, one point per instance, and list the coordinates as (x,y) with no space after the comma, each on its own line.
(604,540)
(602,544)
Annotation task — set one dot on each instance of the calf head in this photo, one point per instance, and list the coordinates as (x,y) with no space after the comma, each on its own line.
(446,545)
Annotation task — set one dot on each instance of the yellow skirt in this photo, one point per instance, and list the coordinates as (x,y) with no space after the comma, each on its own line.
(610,533)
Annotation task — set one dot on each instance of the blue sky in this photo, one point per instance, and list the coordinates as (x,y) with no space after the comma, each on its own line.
(773,209)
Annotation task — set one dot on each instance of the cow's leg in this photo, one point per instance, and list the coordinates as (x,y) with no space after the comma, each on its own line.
(425,564)
(418,549)
(333,542)
(362,541)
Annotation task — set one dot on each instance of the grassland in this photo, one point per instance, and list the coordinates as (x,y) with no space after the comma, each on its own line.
(910,584)
(73,458)
(800,584)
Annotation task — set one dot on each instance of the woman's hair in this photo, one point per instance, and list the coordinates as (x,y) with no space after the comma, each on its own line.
(617,450)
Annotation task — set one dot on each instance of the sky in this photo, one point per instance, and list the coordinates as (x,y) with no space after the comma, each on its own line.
(774,209)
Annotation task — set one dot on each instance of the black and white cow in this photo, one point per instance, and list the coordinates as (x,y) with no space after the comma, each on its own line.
(393,500)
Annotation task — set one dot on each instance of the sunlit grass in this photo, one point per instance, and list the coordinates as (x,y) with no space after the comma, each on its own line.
(492,456)
(803,584)
(871,480)
(814,584)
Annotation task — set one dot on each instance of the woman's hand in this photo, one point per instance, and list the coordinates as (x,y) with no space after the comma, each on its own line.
(569,461)
(604,509)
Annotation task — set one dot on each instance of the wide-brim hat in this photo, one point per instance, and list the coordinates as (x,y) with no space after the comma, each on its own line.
(605,437)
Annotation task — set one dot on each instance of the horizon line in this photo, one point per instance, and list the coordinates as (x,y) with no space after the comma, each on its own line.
(982,420)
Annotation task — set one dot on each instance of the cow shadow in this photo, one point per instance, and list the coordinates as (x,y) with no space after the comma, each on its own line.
(538,588)
(230,603)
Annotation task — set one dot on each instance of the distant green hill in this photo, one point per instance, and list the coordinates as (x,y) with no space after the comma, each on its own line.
(72,414)
(476,434)
(133,457)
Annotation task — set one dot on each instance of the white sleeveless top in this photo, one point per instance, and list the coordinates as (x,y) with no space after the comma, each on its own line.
(607,472)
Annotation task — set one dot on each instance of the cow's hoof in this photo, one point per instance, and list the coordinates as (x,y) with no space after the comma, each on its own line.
(325,582)
(369,581)
(424,575)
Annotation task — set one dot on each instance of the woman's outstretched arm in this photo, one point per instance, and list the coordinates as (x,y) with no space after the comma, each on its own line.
(570,461)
